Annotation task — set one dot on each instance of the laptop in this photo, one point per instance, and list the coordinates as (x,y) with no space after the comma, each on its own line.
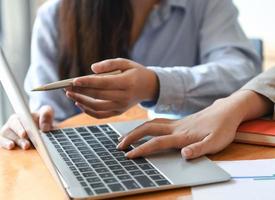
(86,164)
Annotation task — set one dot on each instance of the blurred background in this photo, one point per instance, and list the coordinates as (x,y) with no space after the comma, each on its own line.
(257,18)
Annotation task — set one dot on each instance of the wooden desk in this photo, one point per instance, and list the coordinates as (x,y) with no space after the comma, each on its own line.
(23,175)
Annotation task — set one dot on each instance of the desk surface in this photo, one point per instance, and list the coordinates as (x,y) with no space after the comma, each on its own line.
(23,174)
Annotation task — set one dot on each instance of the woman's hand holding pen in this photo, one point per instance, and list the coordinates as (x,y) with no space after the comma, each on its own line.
(13,134)
(110,95)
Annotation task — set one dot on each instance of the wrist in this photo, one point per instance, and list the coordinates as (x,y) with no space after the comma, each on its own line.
(247,104)
(233,106)
(152,87)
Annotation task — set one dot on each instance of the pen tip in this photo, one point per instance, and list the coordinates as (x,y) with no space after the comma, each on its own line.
(37,89)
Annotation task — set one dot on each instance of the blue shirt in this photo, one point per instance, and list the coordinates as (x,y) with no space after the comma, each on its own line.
(196,47)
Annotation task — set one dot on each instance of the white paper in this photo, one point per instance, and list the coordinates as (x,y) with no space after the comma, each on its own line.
(252,179)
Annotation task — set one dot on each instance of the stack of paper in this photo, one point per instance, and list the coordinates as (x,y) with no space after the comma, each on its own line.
(252,179)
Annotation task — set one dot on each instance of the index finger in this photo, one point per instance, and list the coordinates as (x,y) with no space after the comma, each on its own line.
(148,128)
(153,145)
(108,82)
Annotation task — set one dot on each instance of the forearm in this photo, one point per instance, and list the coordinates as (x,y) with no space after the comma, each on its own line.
(185,90)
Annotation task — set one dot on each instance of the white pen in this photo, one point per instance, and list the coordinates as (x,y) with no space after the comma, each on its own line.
(69,82)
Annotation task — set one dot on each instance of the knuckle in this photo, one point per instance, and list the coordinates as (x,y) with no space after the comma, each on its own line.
(111,61)
(147,124)
(120,59)
(158,141)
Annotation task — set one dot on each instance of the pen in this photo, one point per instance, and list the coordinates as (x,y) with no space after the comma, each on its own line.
(69,82)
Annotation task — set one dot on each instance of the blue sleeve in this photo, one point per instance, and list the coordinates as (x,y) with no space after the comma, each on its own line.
(227,58)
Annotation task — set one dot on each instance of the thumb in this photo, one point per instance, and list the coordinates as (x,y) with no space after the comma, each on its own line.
(46,116)
(196,150)
(112,65)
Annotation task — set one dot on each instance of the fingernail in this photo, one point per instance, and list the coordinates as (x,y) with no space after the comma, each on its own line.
(120,138)
(127,154)
(77,83)
(187,152)
(68,94)
(119,146)
(10,145)
(25,144)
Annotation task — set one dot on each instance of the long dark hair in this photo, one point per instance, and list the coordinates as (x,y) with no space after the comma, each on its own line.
(91,31)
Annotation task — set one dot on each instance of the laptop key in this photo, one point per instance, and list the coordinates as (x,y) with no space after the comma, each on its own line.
(82,165)
(122,158)
(78,160)
(152,172)
(97,185)
(120,172)
(107,158)
(140,161)
(84,184)
(79,178)
(131,168)
(76,173)
(97,150)
(90,156)
(116,187)
(89,191)
(89,174)
(115,167)
(101,190)
(101,170)
(136,173)
(130,184)
(163,182)
(127,163)
(93,161)
(98,165)
(102,154)
(81,129)
(144,181)
(110,180)
(124,177)
(93,129)
(85,169)
(111,162)
(157,177)
(146,166)
(93,179)
(106,175)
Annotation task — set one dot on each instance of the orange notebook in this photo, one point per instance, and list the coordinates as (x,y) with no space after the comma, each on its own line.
(259,131)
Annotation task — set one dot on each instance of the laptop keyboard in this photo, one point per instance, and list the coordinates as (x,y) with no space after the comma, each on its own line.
(91,154)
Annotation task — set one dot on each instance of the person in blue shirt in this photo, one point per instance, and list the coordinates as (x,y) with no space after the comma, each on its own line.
(176,57)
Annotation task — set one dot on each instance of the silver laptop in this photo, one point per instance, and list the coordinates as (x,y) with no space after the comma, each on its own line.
(86,164)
